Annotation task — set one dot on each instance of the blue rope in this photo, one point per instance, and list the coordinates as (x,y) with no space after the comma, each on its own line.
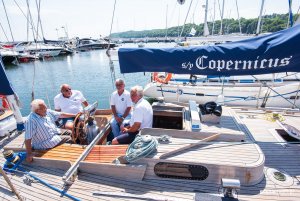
(17,168)
(141,147)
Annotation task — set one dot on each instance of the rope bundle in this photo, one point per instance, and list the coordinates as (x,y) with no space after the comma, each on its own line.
(274,116)
(141,147)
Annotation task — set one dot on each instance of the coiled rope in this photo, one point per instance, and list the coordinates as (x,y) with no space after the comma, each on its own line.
(141,147)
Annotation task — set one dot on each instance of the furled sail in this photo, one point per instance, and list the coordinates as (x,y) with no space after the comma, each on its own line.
(273,53)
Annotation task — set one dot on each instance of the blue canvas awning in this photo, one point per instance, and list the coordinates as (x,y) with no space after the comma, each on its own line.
(5,87)
(273,53)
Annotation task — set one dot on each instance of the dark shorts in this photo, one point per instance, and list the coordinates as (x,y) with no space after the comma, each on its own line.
(64,120)
(126,138)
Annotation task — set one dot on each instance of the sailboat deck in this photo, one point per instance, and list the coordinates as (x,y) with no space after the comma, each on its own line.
(283,157)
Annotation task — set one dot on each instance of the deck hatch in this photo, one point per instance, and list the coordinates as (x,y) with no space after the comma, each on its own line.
(181,171)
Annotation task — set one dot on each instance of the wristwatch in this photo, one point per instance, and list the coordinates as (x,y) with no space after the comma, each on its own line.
(122,117)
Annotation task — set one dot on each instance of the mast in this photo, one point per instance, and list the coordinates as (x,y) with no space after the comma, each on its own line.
(237,8)
(205,30)
(259,18)
(290,14)
(222,15)
(166,24)
(213,25)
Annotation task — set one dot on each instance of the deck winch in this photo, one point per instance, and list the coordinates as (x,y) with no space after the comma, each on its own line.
(13,160)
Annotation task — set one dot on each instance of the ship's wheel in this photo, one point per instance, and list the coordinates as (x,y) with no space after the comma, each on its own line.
(79,129)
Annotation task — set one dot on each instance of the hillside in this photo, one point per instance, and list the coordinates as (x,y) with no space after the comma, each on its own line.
(270,23)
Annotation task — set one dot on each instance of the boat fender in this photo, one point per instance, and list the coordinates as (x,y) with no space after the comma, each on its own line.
(211,108)
(164,80)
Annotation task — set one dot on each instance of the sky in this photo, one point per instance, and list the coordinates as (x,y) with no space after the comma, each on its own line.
(93,18)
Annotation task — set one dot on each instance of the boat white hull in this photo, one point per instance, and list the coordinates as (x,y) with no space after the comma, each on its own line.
(52,53)
(230,95)
(7,125)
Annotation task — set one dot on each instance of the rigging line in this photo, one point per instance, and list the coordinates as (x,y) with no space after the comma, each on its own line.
(26,16)
(194,11)
(289,75)
(186,18)
(31,20)
(38,21)
(4,32)
(111,63)
(297,13)
(8,21)
(112,22)
(173,11)
(33,82)
(38,6)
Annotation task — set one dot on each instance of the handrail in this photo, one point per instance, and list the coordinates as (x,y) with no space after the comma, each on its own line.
(75,165)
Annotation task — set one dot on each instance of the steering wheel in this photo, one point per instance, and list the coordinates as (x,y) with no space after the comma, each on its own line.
(78,130)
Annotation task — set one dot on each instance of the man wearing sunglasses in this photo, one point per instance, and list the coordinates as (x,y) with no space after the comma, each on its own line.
(69,101)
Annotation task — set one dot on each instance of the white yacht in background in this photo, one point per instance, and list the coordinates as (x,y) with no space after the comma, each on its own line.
(38,49)
(86,44)
(262,90)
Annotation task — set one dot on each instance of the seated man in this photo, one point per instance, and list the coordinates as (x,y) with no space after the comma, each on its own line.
(69,101)
(40,129)
(142,117)
(120,103)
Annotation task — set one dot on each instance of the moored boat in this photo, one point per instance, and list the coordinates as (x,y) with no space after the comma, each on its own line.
(290,130)
(86,44)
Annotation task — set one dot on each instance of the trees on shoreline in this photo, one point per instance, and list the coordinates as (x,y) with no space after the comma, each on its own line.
(270,23)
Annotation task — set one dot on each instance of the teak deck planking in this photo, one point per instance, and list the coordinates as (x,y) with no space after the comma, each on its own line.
(277,156)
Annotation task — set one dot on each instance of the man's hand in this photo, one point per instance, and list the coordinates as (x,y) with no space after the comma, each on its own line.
(29,158)
(119,119)
(125,130)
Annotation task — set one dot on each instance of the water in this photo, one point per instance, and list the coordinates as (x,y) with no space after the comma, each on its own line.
(88,72)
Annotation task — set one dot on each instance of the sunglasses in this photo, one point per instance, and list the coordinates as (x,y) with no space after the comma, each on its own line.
(66,90)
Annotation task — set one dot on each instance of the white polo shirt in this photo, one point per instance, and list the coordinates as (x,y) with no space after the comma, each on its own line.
(121,102)
(70,105)
(142,112)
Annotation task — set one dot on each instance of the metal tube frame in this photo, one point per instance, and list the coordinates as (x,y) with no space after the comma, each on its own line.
(72,170)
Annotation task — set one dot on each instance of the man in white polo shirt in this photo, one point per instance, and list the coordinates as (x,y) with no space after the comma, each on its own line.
(120,103)
(142,117)
(69,101)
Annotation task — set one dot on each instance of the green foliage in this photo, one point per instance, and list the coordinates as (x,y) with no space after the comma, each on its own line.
(270,23)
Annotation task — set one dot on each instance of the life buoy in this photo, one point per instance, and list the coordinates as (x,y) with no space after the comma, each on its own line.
(4,102)
(165,80)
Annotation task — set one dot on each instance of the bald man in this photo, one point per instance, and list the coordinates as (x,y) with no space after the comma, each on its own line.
(69,101)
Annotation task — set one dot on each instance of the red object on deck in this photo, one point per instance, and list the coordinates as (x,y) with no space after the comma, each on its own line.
(4,102)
